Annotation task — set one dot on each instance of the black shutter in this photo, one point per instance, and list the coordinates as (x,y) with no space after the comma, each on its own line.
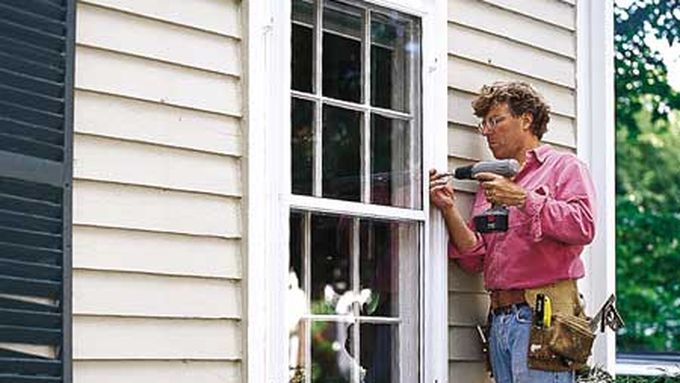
(36,118)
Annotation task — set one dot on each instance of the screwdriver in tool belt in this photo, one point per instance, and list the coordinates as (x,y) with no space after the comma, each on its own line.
(547,311)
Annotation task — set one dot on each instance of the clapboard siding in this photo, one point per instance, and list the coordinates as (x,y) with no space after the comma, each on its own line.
(152,80)
(152,209)
(182,371)
(157,212)
(145,37)
(106,159)
(499,40)
(160,124)
(100,248)
(148,295)
(217,16)
(503,53)
(485,17)
(125,338)
(550,12)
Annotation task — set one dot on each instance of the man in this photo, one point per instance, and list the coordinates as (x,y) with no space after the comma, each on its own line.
(551,218)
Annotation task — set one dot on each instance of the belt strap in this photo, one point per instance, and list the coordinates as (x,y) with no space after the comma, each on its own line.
(504,298)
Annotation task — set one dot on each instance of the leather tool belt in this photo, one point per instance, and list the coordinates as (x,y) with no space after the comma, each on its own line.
(567,343)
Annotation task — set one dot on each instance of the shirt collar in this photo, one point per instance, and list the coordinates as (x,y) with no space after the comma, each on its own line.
(541,152)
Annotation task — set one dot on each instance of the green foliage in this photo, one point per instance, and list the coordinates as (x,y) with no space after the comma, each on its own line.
(639,70)
(598,374)
(647,180)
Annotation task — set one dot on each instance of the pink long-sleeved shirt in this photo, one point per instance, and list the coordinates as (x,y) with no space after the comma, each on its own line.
(546,235)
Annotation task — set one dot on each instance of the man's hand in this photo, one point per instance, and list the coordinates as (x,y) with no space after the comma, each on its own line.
(441,191)
(500,190)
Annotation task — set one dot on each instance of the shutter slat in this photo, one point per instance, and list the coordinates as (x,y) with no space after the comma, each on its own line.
(38,133)
(30,253)
(49,9)
(29,147)
(30,66)
(7,303)
(29,222)
(38,288)
(25,366)
(26,97)
(37,192)
(36,37)
(30,335)
(29,318)
(29,270)
(33,20)
(34,84)
(30,115)
(29,206)
(9,378)
(30,238)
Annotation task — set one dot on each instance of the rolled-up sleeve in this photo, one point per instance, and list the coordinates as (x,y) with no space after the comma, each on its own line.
(471,260)
(566,214)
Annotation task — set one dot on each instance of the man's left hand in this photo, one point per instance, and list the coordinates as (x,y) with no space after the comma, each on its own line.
(500,190)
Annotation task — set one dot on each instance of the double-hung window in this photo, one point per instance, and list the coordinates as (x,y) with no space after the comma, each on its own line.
(357,219)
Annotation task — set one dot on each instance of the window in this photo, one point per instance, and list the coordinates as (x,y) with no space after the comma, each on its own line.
(357,218)
(36,67)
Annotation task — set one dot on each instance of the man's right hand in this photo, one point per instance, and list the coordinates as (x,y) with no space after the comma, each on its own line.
(441,191)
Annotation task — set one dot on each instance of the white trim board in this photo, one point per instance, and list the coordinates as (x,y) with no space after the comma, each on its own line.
(595,146)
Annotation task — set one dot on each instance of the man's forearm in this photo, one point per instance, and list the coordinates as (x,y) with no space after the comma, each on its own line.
(459,233)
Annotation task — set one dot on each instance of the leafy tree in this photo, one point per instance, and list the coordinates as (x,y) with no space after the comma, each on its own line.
(647,179)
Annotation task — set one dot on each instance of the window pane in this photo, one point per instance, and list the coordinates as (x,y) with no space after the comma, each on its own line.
(331,352)
(302,142)
(379,353)
(396,174)
(343,30)
(302,41)
(341,153)
(393,51)
(330,263)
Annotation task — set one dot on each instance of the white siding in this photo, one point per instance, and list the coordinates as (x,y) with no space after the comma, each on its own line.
(490,40)
(158,269)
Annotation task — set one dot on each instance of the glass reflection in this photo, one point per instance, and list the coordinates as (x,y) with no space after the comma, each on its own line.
(330,262)
(392,53)
(395,166)
(379,270)
(342,41)
(302,146)
(302,43)
(378,353)
(332,360)
(341,154)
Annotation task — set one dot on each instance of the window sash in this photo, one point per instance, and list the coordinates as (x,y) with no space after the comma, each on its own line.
(413,117)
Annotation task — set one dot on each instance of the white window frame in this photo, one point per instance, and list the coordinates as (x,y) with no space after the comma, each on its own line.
(595,146)
(267,198)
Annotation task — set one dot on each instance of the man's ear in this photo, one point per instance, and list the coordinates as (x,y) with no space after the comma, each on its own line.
(527,120)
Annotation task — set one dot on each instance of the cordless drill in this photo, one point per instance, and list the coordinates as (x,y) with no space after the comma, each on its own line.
(496,218)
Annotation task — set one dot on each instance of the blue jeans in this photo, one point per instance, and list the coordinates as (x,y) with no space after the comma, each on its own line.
(508,345)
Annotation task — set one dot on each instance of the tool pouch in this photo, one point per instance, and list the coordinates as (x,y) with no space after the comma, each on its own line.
(564,346)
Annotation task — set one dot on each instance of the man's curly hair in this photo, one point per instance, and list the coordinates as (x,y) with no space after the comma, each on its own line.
(520,97)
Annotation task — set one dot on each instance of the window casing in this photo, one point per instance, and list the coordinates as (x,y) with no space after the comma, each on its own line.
(356,213)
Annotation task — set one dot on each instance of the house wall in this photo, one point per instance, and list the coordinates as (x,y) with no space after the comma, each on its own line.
(157,264)
(489,40)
